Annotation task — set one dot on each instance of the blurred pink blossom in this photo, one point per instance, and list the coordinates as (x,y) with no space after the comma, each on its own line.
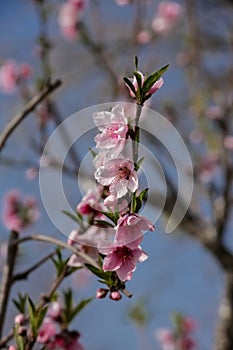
(214,112)
(66,341)
(196,136)
(208,167)
(122,258)
(144,37)
(19,211)
(46,331)
(166,17)
(11,73)
(228,142)
(31,173)
(19,319)
(70,14)
(119,175)
(54,311)
(166,338)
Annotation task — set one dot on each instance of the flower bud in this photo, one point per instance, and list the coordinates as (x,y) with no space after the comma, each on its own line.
(12,347)
(101,293)
(115,296)
(19,319)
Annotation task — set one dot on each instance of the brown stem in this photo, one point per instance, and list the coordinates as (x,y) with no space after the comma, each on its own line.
(224,334)
(13,124)
(24,275)
(6,277)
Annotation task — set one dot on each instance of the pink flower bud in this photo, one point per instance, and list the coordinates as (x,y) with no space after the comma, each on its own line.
(12,347)
(115,296)
(19,319)
(101,293)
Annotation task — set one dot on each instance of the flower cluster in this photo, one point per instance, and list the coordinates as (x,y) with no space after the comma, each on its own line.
(19,212)
(166,17)
(11,73)
(179,338)
(70,15)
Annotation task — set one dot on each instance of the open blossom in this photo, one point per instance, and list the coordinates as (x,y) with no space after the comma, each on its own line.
(122,258)
(71,13)
(10,73)
(18,211)
(113,128)
(157,85)
(46,331)
(66,341)
(130,227)
(119,175)
(167,15)
(90,204)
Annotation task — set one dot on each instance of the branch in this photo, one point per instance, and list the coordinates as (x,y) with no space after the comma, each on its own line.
(6,277)
(59,243)
(27,109)
(26,273)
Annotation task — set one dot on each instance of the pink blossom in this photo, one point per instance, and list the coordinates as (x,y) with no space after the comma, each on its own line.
(208,167)
(54,310)
(228,142)
(122,258)
(12,347)
(166,339)
(214,112)
(167,15)
(66,341)
(130,227)
(119,175)
(115,205)
(189,325)
(87,242)
(157,85)
(113,129)
(70,14)
(46,331)
(187,343)
(31,173)
(90,204)
(19,211)
(11,73)
(19,319)
(144,37)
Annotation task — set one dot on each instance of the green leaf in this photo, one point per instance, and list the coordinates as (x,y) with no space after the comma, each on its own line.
(136,62)
(75,217)
(80,306)
(137,201)
(40,316)
(20,304)
(130,85)
(32,316)
(112,216)
(99,273)
(149,82)
(139,82)
(93,153)
(138,165)
(19,339)
(103,223)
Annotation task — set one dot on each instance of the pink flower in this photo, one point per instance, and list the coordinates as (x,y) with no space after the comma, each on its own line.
(11,73)
(214,112)
(166,339)
(189,325)
(66,340)
(70,15)
(228,142)
(122,258)
(167,15)
(208,167)
(12,347)
(113,129)
(55,310)
(144,37)
(157,85)
(130,227)
(46,331)
(19,212)
(19,319)
(90,204)
(119,175)
(187,344)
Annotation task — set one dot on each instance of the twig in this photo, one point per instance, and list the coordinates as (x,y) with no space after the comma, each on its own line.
(59,243)
(27,109)
(6,277)
(24,275)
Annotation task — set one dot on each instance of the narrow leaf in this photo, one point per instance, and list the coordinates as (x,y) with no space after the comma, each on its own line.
(149,82)
(136,62)
(130,85)
(74,217)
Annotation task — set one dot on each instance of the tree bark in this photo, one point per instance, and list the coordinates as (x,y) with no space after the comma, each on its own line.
(224,334)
